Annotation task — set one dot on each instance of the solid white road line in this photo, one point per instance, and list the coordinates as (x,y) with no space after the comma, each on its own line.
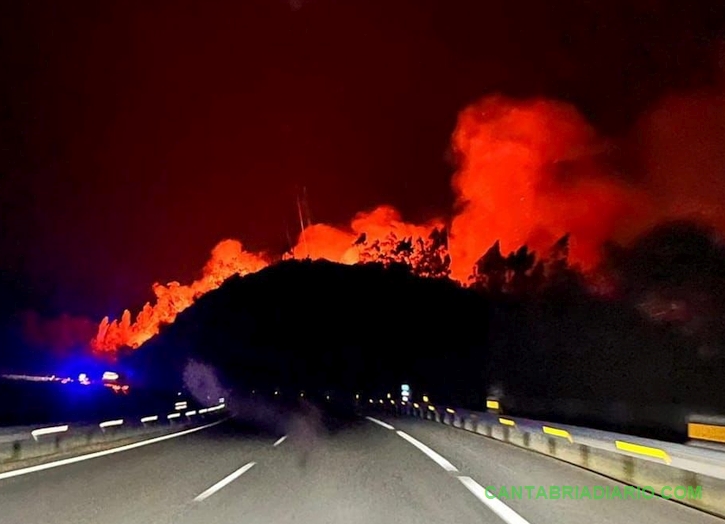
(223,482)
(96,454)
(380,423)
(438,459)
(499,508)
(280,440)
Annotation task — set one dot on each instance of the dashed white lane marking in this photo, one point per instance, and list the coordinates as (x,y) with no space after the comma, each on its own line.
(499,508)
(280,440)
(507,514)
(96,454)
(223,482)
(438,459)
(380,423)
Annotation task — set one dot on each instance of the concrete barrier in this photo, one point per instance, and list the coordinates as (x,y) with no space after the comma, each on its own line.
(38,444)
(627,460)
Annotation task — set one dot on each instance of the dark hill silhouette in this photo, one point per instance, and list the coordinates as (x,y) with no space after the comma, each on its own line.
(323,327)
(319,325)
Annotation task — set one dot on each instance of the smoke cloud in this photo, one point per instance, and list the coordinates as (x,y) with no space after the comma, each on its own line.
(678,144)
(527,172)
(61,335)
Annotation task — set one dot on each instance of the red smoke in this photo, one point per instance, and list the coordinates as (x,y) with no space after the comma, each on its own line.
(61,335)
(332,243)
(680,145)
(528,172)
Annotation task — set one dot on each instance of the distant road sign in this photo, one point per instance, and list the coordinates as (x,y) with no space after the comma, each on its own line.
(405,392)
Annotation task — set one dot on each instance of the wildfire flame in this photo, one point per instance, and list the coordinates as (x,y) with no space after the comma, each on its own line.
(227,258)
(528,172)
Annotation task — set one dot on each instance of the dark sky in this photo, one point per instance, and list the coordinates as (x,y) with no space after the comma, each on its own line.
(137,135)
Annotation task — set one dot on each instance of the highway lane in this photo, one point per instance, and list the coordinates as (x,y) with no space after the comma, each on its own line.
(494,463)
(145,485)
(357,474)
(357,471)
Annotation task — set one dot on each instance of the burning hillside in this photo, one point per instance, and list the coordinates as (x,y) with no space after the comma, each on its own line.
(528,172)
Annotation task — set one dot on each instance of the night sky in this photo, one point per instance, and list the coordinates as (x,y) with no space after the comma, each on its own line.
(135,136)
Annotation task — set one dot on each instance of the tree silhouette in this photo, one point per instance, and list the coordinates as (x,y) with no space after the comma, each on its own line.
(489,272)
(521,273)
(423,257)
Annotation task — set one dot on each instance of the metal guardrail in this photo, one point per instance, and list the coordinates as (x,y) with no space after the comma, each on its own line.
(632,460)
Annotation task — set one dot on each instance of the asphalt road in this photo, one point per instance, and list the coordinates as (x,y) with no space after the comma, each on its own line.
(354,471)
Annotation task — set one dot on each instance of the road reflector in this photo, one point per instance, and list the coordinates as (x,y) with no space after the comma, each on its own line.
(493,404)
(432,408)
(706,432)
(110,423)
(643,450)
(48,431)
(451,411)
(506,421)
(557,432)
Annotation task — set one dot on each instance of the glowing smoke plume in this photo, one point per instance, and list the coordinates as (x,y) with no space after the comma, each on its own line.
(528,172)
(332,243)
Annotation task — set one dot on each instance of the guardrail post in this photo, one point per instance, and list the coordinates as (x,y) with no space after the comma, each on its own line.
(628,468)
(584,455)
(474,423)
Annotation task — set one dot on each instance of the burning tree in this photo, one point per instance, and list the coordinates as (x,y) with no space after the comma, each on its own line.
(520,272)
(424,257)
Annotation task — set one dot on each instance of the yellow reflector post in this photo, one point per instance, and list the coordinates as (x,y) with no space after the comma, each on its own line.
(706,432)
(557,432)
(432,408)
(451,411)
(643,450)
(492,404)
(506,421)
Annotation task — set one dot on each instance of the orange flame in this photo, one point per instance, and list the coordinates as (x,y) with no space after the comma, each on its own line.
(335,244)
(528,173)
(227,258)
